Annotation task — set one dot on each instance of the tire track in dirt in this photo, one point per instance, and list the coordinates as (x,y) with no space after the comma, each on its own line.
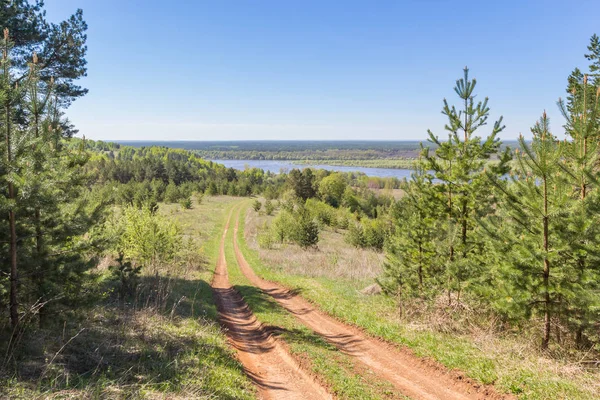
(265,361)
(413,376)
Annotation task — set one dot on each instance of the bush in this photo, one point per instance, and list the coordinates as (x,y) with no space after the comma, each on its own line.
(342,220)
(374,234)
(269,207)
(256,205)
(323,213)
(367,234)
(356,235)
(127,275)
(306,232)
(332,188)
(265,237)
(144,237)
(186,204)
(283,226)
(172,193)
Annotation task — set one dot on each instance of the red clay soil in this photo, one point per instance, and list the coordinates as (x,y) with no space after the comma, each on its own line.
(265,361)
(412,376)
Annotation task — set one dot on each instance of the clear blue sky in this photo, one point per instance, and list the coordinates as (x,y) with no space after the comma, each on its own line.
(276,69)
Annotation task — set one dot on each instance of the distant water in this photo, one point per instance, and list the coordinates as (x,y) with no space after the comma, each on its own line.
(277,166)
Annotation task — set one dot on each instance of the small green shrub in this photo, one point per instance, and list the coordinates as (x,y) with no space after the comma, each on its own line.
(306,232)
(356,235)
(186,203)
(269,207)
(256,205)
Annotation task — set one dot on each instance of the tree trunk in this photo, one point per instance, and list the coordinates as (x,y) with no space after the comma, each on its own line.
(14,305)
(420,267)
(12,223)
(546,282)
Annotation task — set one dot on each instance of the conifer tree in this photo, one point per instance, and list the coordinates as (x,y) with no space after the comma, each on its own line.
(15,143)
(528,233)
(458,163)
(411,252)
(580,163)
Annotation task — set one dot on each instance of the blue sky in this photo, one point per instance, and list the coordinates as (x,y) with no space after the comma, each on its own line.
(227,70)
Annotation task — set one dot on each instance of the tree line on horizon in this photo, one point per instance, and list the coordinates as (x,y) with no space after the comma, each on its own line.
(519,235)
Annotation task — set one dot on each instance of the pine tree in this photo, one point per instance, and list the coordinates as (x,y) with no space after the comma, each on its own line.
(580,163)
(411,252)
(14,153)
(458,164)
(528,234)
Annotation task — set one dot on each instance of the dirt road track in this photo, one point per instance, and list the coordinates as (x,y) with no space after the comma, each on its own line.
(266,362)
(414,377)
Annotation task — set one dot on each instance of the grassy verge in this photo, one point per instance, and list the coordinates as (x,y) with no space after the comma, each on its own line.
(138,352)
(492,360)
(335,369)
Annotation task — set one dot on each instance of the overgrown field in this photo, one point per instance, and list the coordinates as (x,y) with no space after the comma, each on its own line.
(333,277)
(163,344)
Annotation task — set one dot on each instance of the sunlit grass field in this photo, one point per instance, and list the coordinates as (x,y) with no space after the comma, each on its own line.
(333,277)
(135,352)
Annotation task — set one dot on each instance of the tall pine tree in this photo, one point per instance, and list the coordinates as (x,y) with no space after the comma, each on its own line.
(458,164)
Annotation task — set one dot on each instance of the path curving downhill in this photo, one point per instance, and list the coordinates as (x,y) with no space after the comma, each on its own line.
(410,375)
(265,361)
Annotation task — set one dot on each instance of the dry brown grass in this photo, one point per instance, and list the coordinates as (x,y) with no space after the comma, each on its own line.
(333,259)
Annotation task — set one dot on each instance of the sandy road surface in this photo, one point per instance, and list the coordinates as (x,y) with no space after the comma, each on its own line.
(409,374)
(265,361)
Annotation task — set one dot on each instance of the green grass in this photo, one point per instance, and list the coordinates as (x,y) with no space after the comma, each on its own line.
(335,369)
(178,352)
(520,373)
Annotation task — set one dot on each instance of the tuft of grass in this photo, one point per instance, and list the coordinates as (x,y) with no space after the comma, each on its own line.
(503,361)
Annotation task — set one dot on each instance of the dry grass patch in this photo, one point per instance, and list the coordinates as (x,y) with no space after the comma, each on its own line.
(466,339)
(334,258)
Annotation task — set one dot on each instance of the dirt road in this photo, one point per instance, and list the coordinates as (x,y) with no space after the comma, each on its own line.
(412,376)
(266,362)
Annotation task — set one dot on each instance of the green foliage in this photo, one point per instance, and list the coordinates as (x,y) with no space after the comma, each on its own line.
(412,267)
(144,237)
(302,183)
(323,213)
(127,276)
(265,237)
(283,226)
(356,235)
(464,193)
(524,241)
(269,207)
(367,233)
(186,203)
(306,231)
(45,240)
(172,193)
(297,227)
(256,205)
(331,189)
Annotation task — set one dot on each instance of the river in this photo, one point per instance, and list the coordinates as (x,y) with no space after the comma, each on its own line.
(276,166)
